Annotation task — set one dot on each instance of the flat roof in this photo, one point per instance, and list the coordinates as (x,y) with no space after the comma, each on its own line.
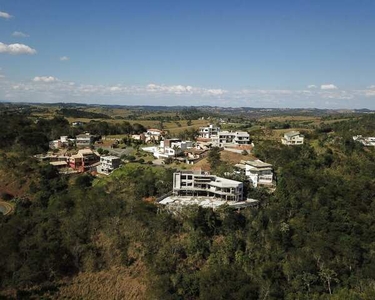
(207,202)
(58,163)
(257,163)
(234,132)
(85,151)
(84,136)
(110,157)
(224,182)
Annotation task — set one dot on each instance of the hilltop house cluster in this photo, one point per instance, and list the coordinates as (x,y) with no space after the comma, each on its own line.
(197,187)
(179,150)
(82,160)
(213,135)
(189,187)
(190,152)
(204,189)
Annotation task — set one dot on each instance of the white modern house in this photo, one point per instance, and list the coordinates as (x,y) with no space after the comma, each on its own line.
(231,138)
(84,140)
(209,131)
(64,141)
(292,138)
(365,141)
(202,184)
(257,171)
(108,164)
(169,148)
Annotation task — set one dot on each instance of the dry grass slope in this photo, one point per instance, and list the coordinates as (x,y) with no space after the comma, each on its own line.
(116,283)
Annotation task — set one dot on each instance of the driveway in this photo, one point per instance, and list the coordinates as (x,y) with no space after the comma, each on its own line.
(118,151)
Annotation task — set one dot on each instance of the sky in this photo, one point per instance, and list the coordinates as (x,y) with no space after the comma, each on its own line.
(269,53)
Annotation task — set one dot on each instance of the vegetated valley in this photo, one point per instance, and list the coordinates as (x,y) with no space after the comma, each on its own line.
(86,237)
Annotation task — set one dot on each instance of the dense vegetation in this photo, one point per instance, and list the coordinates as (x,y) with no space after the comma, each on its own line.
(312,239)
(77,113)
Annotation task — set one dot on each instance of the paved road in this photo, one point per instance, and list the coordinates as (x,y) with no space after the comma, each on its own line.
(117,151)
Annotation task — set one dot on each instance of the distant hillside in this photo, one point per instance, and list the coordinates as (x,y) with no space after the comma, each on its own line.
(76,113)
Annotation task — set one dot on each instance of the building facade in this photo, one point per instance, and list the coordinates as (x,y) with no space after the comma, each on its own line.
(257,171)
(209,131)
(197,183)
(153,135)
(230,138)
(64,141)
(83,160)
(293,138)
(169,148)
(84,140)
(108,164)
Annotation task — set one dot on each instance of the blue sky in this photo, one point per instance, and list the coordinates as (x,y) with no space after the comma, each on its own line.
(230,53)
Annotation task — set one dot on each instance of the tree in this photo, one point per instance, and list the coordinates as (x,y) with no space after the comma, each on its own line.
(176,149)
(214,157)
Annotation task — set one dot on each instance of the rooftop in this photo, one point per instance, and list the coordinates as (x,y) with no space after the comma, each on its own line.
(256,163)
(58,163)
(291,133)
(110,157)
(85,152)
(84,136)
(207,202)
(244,133)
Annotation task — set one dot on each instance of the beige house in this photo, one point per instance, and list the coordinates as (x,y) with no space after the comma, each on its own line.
(293,138)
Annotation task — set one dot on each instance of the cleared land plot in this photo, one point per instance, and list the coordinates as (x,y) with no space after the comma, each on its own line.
(226,156)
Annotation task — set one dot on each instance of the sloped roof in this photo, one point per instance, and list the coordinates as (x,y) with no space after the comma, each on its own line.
(291,133)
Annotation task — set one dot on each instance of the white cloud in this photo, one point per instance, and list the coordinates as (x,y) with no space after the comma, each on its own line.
(328,87)
(215,92)
(312,86)
(46,79)
(19,34)
(16,49)
(5,15)
(51,89)
(371,86)
(64,58)
(2,76)
(115,89)
(170,89)
(183,90)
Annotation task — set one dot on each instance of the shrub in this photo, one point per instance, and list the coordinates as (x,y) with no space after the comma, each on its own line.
(6,196)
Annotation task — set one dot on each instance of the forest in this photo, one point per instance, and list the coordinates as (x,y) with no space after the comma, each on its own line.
(313,238)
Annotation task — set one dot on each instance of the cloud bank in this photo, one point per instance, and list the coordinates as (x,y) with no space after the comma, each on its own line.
(52,89)
(16,49)
(45,79)
(328,87)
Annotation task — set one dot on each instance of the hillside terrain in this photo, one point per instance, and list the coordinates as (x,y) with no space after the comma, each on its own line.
(85,237)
